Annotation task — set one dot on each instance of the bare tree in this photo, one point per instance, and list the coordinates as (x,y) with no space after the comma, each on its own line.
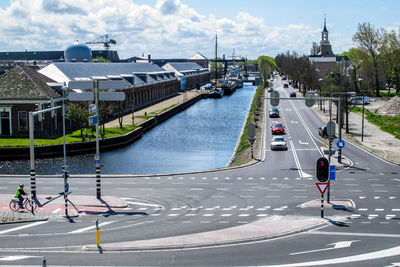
(369,40)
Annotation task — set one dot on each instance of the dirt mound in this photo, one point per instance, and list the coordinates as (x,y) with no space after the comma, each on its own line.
(391,107)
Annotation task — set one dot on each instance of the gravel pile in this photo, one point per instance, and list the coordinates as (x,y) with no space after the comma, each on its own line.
(391,107)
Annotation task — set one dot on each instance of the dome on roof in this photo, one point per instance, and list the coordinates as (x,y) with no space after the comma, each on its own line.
(78,52)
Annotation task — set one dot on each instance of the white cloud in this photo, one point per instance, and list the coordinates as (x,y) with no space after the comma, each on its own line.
(168,29)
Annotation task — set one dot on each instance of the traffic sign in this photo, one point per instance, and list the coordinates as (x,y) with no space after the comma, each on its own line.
(332,172)
(251,130)
(331,129)
(340,143)
(92,109)
(92,120)
(322,187)
(310,99)
(274,98)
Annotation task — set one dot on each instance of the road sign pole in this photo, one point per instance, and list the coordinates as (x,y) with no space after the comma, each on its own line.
(98,178)
(340,128)
(322,205)
(32,155)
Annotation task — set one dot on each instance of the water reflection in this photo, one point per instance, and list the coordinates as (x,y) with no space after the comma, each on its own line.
(201,137)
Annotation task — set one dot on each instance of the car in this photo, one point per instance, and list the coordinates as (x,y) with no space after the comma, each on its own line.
(323,132)
(285,85)
(270,89)
(277,128)
(274,113)
(293,94)
(358,100)
(278,143)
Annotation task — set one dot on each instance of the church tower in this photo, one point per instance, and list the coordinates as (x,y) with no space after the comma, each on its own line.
(326,48)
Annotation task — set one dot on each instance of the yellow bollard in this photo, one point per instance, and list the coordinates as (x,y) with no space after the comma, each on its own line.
(324,142)
(97,233)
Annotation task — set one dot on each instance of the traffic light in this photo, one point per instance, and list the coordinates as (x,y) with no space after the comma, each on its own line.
(322,170)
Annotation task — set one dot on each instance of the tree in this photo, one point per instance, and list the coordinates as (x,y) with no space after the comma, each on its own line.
(265,65)
(80,115)
(370,41)
(390,51)
(219,69)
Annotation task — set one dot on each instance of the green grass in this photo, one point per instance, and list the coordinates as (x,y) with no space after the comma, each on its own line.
(244,141)
(73,137)
(389,124)
(386,94)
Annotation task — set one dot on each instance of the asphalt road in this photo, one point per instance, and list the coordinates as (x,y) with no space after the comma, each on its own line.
(363,233)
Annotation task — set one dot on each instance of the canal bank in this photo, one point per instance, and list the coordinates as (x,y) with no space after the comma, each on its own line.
(145,119)
(201,137)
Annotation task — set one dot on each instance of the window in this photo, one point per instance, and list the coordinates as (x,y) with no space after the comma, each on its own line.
(22,121)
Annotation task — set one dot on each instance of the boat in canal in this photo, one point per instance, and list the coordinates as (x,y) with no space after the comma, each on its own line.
(216,93)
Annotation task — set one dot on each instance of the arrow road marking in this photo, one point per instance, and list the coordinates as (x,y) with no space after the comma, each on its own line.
(341,244)
(296,160)
(301,143)
(294,122)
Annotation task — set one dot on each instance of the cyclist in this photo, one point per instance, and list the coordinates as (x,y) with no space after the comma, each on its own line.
(19,194)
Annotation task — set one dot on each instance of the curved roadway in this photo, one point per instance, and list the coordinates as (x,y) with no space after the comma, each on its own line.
(264,214)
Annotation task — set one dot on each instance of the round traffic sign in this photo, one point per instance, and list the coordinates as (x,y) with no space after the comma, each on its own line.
(340,143)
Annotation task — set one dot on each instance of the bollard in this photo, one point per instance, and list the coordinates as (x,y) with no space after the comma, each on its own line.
(324,142)
(44,262)
(97,233)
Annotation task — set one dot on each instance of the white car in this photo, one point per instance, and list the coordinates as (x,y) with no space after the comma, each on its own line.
(278,143)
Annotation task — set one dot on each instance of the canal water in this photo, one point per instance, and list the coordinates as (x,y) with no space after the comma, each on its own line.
(203,136)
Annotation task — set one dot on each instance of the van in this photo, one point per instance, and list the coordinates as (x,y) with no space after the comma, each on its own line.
(358,100)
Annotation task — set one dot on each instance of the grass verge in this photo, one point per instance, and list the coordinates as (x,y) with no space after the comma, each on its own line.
(74,137)
(389,124)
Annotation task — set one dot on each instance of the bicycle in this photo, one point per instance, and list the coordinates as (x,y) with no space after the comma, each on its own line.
(28,203)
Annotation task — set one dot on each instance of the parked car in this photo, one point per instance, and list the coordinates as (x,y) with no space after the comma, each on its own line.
(278,143)
(277,128)
(274,113)
(285,85)
(270,89)
(292,94)
(358,100)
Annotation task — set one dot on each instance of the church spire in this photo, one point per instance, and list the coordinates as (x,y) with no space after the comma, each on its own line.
(325,29)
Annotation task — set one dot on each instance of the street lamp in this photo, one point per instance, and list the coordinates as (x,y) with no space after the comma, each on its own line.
(363,104)
(65,172)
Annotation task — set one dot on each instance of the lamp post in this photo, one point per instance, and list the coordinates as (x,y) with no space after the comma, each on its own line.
(65,172)
(363,104)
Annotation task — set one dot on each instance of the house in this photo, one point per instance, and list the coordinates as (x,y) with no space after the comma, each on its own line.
(22,90)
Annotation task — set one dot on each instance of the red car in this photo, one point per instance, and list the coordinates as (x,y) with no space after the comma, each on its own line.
(278,128)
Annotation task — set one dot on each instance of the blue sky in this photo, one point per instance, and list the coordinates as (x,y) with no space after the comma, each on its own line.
(180,28)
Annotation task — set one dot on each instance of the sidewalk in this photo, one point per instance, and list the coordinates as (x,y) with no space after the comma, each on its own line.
(376,141)
(53,206)
(155,109)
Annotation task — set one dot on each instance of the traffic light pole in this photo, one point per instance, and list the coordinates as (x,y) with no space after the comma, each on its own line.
(97,157)
(322,205)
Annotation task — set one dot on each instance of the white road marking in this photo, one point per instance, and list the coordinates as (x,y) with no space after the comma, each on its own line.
(303,143)
(208,214)
(392,197)
(15,258)
(341,244)
(56,210)
(143,204)
(173,214)
(372,216)
(379,209)
(22,227)
(89,228)
(226,215)
(363,209)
